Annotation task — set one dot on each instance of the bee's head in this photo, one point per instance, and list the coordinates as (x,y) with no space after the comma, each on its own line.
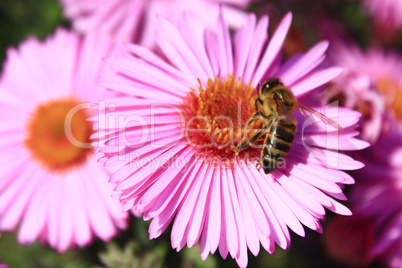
(270,84)
(274,91)
(284,96)
(275,97)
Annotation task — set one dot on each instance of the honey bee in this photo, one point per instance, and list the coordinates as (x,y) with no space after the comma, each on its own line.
(276,105)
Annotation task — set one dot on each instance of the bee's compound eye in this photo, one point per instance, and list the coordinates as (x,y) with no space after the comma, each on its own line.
(266,87)
(271,84)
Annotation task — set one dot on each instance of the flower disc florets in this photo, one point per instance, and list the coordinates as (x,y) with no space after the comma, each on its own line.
(391,91)
(50,133)
(216,118)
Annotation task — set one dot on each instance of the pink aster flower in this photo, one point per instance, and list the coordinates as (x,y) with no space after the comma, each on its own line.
(51,185)
(172,134)
(378,196)
(387,12)
(371,83)
(136,20)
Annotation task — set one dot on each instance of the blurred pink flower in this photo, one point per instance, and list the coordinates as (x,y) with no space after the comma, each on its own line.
(136,20)
(387,12)
(179,174)
(371,83)
(379,195)
(53,188)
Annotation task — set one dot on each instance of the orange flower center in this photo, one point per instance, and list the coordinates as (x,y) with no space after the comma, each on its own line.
(58,135)
(392,94)
(216,116)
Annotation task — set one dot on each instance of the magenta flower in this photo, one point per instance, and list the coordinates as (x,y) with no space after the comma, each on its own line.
(378,196)
(136,20)
(371,83)
(51,185)
(385,12)
(173,129)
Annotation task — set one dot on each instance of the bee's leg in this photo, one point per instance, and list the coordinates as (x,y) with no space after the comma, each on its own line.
(247,143)
(257,114)
(258,100)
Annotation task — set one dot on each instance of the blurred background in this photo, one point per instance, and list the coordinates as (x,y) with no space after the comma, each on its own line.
(313,21)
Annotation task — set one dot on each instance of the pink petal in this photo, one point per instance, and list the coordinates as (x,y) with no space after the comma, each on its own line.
(300,212)
(141,172)
(199,214)
(229,219)
(336,141)
(36,213)
(153,59)
(175,47)
(99,219)
(10,172)
(314,80)
(225,48)
(278,229)
(212,47)
(343,116)
(251,231)
(243,43)
(273,48)
(280,209)
(82,231)
(212,226)
(254,205)
(170,202)
(303,196)
(165,191)
(316,180)
(13,208)
(66,215)
(194,34)
(148,75)
(241,257)
(304,64)
(54,210)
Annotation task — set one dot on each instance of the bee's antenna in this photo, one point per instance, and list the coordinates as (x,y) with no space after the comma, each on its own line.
(258,89)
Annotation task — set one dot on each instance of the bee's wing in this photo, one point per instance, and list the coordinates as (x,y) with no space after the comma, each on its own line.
(309,112)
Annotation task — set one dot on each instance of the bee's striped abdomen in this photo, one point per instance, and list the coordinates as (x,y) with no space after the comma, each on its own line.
(277,145)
